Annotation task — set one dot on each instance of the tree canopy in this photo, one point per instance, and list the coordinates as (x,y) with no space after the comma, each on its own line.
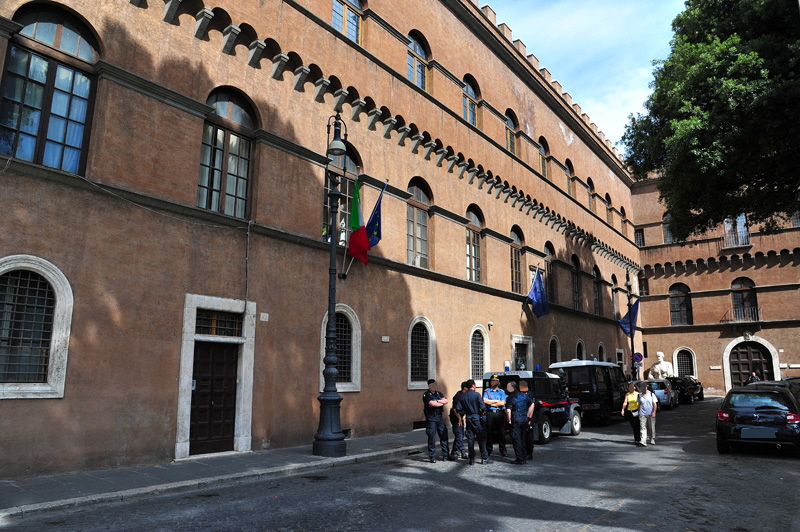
(722,127)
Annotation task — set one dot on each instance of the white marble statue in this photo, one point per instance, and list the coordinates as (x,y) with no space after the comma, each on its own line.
(661,369)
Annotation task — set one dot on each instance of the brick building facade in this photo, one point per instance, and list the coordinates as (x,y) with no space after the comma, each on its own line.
(164,240)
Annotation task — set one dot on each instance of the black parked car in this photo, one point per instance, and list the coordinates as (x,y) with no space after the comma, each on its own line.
(688,388)
(760,414)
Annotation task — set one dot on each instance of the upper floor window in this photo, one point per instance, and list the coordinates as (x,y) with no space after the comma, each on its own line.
(511,132)
(575,275)
(796,219)
(47,91)
(623,224)
(570,177)
(736,231)
(417,72)
(638,237)
(417,223)
(516,261)
(225,154)
(745,302)
(544,151)
(549,275)
(596,293)
(35,317)
(345,168)
(590,194)
(347,18)
(680,305)
(668,238)
(474,225)
(470,101)
(609,211)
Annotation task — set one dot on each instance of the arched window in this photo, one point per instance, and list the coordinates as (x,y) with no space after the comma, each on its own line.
(745,303)
(512,125)
(225,154)
(344,167)
(665,220)
(623,224)
(609,211)
(470,100)
(421,353)
(614,286)
(348,349)
(474,226)
(554,351)
(576,283)
(418,55)
(517,241)
(35,318)
(680,304)
(579,351)
(417,223)
(48,90)
(477,353)
(736,231)
(596,293)
(601,354)
(550,274)
(590,192)
(544,151)
(685,361)
(570,177)
(347,18)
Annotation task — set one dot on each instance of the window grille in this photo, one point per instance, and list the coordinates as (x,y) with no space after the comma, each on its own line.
(553,351)
(476,355)
(419,353)
(685,363)
(344,348)
(638,237)
(520,356)
(217,323)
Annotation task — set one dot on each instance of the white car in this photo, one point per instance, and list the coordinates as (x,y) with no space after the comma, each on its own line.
(667,395)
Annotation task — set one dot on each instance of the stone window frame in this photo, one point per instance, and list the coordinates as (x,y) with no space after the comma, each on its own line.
(354,385)
(422,385)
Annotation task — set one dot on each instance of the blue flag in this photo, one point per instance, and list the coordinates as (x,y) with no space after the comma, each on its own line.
(628,323)
(537,296)
(374,223)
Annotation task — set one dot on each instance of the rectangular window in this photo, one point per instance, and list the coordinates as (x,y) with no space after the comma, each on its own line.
(597,306)
(224,166)
(638,237)
(543,163)
(218,323)
(473,256)
(511,141)
(520,356)
(470,110)
(346,20)
(417,236)
(516,270)
(549,281)
(44,111)
(576,291)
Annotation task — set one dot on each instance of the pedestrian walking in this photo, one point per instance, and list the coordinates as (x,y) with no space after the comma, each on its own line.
(648,405)
(472,408)
(457,423)
(495,399)
(519,410)
(630,410)
(529,434)
(434,402)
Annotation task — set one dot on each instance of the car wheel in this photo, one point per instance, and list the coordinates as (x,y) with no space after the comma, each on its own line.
(545,430)
(668,406)
(723,447)
(575,424)
(700,396)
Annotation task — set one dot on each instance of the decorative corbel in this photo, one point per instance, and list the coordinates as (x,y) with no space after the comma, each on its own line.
(462,166)
(300,75)
(416,140)
(500,186)
(339,98)
(388,126)
(451,162)
(171,10)
(229,36)
(256,49)
(471,174)
(356,108)
(429,146)
(402,133)
(482,179)
(320,88)
(372,118)
(202,20)
(440,156)
(279,65)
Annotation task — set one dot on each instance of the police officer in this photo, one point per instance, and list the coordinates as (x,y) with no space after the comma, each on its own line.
(471,408)
(519,410)
(457,423)
(495,399)
(523,388)
(434,401)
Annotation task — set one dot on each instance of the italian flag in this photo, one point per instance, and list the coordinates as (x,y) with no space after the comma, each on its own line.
(359,240)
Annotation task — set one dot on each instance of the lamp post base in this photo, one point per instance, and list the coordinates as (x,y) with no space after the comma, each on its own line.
(329,448)
(329,439)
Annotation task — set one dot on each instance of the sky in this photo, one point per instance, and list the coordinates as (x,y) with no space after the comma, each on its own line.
(601,51)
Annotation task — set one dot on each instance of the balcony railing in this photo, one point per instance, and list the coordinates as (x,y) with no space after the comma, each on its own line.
(735,239)
(747,314)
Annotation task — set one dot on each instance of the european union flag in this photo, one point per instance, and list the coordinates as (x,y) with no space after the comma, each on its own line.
(537,296)
(628,323)
(374,223)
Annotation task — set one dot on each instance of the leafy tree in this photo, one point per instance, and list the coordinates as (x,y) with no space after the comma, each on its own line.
(722,128)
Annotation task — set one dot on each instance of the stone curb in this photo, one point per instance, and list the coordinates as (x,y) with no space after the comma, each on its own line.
(20,512)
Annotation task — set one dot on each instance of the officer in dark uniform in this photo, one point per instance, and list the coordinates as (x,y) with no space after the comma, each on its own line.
(519,410)
(458,426)
(434,401)
(529,435)
(472,408)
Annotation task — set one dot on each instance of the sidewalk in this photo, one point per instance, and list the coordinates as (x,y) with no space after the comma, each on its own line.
(43,494)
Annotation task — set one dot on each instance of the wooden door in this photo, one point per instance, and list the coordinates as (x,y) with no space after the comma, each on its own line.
(747,357)
(213,415)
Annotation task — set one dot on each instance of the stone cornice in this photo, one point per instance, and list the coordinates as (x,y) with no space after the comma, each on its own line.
(8,27)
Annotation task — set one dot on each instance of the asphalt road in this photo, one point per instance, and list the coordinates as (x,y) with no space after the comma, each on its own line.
(596,481)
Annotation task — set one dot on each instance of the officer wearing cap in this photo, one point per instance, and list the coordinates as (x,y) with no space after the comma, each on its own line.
(457,422)
(434,401)
(518,413)
(471,407)
(495,399)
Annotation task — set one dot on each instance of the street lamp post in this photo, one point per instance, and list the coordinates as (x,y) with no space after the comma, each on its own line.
(329,439)
(628,287)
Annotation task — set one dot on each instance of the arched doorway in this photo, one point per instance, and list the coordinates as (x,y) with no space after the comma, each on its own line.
(750,356)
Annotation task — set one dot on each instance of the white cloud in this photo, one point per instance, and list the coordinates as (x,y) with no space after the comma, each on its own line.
(600,51)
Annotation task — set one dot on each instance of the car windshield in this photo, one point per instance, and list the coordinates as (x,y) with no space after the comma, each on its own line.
(753,400)
(659,385)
